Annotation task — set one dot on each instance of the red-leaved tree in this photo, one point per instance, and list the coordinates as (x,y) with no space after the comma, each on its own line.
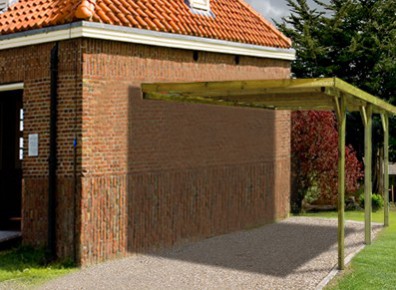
(315,158)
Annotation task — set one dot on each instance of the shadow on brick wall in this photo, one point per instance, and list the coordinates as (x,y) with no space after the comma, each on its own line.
(198,171)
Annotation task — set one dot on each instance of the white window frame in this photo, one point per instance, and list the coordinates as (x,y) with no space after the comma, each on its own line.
(200,4)
(4,5)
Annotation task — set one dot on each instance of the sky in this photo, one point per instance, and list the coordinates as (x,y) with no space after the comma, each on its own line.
(272,9)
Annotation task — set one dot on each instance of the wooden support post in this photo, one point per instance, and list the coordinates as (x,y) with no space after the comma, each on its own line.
(385,125)
(367,172)
(341,115)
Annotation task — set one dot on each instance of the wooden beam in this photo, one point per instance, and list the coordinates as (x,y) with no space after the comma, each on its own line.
(295,98)
(285,102)
(341,181)
(363,114)
(364,96)
(329,86)
(305,108)
(385,124)
(201,100)
(244,92)
(367,173)
(290,84)
(337,107)
(353,104)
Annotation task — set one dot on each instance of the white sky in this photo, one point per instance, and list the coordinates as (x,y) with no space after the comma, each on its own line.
(272,9)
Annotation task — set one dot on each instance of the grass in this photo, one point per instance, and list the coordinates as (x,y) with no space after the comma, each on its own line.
(377,216)
(375,266)
(25,267)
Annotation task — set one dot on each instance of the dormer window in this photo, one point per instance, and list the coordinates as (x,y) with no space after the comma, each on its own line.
(203,5)
(4,4)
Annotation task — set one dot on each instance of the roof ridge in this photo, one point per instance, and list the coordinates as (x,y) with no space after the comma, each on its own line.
(85,9)
(266,22)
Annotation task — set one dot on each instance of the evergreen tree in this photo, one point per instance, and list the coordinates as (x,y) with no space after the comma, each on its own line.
(353,40)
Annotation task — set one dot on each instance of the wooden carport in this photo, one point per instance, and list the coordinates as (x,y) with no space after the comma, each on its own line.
(329,94)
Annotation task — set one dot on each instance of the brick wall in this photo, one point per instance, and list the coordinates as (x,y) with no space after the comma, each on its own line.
(149,173)
(31,65)
(158,173)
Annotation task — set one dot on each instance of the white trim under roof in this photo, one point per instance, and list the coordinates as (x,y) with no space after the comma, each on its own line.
(140,36)
(11,87)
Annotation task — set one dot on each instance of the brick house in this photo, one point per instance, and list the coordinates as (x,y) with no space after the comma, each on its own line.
(94,171)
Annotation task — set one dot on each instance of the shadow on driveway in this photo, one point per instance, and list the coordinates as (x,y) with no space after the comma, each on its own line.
(297,253)
(277,249)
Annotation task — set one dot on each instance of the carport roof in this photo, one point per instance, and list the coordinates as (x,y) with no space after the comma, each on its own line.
(282,94)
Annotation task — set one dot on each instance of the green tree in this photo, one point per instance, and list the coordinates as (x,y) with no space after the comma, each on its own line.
(350,39)
(354,40)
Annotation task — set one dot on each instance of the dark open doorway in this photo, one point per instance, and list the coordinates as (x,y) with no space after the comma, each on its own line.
(11,155)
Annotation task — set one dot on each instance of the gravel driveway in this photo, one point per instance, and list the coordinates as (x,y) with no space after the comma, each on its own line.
(296,253)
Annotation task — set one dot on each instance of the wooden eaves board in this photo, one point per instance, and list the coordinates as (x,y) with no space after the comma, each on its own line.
(284,94)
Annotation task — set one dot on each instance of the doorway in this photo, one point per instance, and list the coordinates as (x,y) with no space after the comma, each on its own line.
(11,156)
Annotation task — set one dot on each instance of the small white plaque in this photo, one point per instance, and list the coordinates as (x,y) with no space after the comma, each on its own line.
(33,145)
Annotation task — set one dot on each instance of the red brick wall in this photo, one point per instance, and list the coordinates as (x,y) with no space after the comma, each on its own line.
(158,173)
(31,65)
(149,173)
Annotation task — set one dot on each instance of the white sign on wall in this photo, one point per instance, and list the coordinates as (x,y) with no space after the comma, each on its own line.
(33,145)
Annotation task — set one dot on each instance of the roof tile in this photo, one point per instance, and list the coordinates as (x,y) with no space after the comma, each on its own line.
(231,20)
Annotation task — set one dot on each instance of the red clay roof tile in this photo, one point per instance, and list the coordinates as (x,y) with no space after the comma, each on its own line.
(231,20)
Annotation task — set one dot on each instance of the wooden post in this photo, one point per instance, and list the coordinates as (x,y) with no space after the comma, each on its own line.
(385,125)
(341,115)
(367,172)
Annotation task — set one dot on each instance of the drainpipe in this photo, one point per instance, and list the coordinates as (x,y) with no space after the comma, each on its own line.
(52,162)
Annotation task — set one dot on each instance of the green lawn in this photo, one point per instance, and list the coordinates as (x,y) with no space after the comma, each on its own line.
(375,266)
(377,216)
(24,267)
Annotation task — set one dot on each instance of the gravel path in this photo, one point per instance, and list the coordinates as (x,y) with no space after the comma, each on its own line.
(293,254)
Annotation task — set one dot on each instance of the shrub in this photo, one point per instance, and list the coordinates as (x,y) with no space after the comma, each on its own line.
(314,146)
(377,201)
